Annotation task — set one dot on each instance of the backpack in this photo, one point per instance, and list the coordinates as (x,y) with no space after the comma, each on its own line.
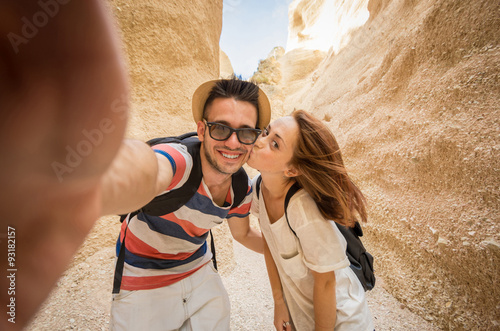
(173,200)
(361,261)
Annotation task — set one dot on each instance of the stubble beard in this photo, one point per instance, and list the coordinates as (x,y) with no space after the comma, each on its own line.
(213,163)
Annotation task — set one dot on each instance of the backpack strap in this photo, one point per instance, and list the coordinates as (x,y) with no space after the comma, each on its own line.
(173,200)
(239,182)
(291,191)
(120,262)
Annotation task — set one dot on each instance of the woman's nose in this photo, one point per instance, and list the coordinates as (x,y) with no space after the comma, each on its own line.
(259,142)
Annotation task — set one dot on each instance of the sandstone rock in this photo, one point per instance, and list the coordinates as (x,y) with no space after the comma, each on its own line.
(442,242)
(269,69)
(324,24)
(492,244)
(171,48)
(226,68)
(413,82)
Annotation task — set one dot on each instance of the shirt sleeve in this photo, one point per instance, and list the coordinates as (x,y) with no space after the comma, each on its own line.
(322,244)
(254,209)
(181,162)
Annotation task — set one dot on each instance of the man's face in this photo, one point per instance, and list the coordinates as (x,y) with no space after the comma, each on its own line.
(227,156)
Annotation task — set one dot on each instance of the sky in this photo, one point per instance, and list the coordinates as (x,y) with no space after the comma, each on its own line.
(251,29)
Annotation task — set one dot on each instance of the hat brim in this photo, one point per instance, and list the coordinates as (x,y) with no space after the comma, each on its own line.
(201,94)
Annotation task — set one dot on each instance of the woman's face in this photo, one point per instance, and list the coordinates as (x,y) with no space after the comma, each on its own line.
(274,149)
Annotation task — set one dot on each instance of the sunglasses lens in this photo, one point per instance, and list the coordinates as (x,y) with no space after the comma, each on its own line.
(220,132)
(247,136)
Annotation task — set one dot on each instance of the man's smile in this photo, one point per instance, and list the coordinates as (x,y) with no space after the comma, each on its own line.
(230,155)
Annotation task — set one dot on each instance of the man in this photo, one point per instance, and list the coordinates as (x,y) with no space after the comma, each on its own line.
(168,280)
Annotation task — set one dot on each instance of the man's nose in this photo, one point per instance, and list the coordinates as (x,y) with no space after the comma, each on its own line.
(232,141)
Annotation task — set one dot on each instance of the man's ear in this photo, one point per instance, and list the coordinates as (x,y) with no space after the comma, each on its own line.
(200,129)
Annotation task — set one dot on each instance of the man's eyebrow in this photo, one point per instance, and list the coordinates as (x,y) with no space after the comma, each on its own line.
(227,124)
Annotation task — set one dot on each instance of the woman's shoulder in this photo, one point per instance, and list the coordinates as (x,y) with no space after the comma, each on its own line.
(301,198)
(303,208)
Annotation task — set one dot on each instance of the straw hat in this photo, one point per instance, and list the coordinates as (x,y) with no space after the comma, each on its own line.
(201,94)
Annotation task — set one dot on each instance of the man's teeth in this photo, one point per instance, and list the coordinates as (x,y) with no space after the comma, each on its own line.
(230,156)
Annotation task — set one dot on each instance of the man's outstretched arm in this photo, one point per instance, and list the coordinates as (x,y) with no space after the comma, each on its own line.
(64,105)
(135,177)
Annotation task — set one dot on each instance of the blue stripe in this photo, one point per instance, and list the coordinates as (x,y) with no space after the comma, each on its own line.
(205,205)
(169,157)
(118,245)
(238,215)
(169,228)
(149,263)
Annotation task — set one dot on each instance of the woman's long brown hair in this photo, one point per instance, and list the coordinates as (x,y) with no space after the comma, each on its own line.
(322,172)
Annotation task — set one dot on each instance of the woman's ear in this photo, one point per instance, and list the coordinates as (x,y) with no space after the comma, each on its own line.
(292,172)
(200,129)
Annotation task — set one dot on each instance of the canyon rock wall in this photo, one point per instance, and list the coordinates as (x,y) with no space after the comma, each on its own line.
(323,24)
(226,68)
(412,96)
(171,48)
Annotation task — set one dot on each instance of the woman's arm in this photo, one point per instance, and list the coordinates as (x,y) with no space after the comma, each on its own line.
(325,302)
(281,315)
(246,235)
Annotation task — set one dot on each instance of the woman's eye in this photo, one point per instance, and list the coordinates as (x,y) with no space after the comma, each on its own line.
(274,144)
(265,132)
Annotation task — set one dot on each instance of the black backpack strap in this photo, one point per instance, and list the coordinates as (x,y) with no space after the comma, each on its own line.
(120,262)
(212,248)
(257,186)
(178,197)
(291,191)
(239,182)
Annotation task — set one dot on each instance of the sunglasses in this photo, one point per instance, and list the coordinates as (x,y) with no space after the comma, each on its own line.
(221,132)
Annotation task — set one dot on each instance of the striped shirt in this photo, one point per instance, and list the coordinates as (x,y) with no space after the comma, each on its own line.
(162,250)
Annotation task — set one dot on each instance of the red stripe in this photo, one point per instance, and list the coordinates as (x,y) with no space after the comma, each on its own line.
(201,190)
(228,197)
(130,283)
(241,210)
(187,226)
(140,248)
(180,163)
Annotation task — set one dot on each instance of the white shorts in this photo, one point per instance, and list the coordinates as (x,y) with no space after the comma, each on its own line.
(198,302)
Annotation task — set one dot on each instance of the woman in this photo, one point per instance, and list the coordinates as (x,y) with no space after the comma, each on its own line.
(313,286)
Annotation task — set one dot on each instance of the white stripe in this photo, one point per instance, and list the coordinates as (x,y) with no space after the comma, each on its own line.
(189,165)
(132,271)
(200,219)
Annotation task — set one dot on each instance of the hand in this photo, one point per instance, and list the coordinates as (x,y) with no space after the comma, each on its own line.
(281,317)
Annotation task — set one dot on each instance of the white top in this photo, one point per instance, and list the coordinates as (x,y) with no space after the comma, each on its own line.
(318,246)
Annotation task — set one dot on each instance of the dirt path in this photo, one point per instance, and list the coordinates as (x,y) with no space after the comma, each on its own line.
(82,298)
(252,307)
